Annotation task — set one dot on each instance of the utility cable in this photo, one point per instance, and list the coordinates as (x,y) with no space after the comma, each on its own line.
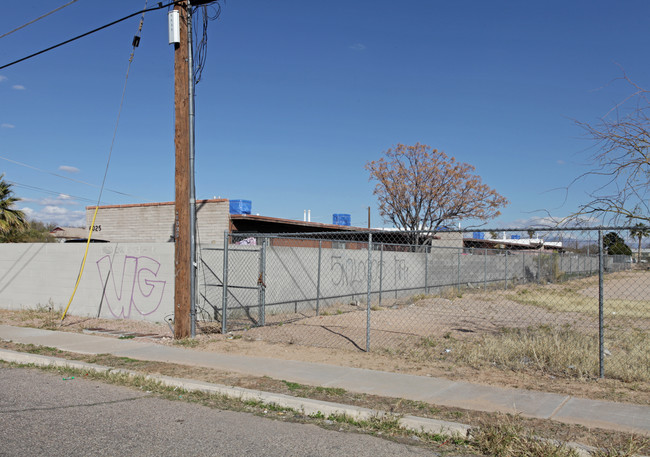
(70,179)
(136,42)
(200,54)
(47,191)
(38,18)
(160,6)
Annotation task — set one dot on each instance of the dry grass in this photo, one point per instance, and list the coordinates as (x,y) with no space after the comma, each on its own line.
(544,350)
(560,351)
(569,300)
(505,437)
(626,295)
(47,317)
(634,446)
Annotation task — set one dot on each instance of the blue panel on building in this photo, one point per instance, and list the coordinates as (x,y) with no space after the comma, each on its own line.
(342,219)
(240,206)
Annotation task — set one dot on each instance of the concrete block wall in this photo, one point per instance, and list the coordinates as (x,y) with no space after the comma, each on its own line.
(154,222)
(292,275)
(134,281)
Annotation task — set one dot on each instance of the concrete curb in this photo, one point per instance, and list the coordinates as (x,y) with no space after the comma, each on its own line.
(305,405)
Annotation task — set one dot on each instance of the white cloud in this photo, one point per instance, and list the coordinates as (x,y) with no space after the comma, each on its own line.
(54,210)
(2,78)
(57,215)
(60,200)
(561,162)
(358,47)
(18,87)
(7,126)
(69,169)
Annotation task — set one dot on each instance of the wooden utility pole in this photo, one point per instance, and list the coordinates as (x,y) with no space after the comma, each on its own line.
(182,283)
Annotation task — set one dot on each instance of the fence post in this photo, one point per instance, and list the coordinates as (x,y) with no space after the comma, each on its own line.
(381,270)
(320,250)
(539,267)
(523,267)
(426,269)
(506,270)
(262,283)
(369,291)
(224,297)
(601,331)
(485,269)
(458,276)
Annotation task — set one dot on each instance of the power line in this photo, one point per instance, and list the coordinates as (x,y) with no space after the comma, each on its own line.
(47,191)
(200,54)
(71,179)
(38,18)
(119,112)
(160,6)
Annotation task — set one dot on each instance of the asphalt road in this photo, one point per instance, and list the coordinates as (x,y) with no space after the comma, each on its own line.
(43,415)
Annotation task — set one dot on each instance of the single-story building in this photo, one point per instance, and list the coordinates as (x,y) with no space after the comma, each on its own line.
(154,222)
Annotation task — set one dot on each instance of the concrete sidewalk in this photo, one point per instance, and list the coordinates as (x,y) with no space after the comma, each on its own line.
(623,417)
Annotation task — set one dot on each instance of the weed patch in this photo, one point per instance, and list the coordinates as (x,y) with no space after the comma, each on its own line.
(559,351)
(509,439)
(187,342)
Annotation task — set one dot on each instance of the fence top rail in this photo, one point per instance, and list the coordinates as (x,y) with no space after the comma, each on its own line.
(347,233)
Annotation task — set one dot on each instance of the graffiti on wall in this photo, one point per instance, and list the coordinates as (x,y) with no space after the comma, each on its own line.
(347,271)
(401,271)
(136,288)
(350,271)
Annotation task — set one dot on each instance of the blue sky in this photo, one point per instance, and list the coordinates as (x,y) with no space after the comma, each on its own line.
(297,97)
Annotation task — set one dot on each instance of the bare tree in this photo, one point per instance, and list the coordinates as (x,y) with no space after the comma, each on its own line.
(420,188)
(622,158)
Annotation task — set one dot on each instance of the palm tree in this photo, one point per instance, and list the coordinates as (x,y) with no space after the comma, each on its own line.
(639,231)
(9,216)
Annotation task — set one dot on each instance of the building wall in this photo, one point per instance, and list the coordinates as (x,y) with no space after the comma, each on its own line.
(154,222)
(449,239)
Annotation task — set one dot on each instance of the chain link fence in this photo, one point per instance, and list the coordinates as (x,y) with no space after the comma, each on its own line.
(567,302)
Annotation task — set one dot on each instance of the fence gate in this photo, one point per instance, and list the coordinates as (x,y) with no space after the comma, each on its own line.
(233,286)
